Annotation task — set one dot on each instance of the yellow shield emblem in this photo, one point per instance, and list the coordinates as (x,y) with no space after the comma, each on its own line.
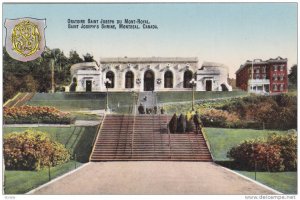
(25,39)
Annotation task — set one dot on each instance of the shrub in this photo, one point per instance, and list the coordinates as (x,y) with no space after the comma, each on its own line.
(288,144)
(277,112)
(276,153)
(181,124)
(32,150)
(190,125)
(35,114)
(173,124)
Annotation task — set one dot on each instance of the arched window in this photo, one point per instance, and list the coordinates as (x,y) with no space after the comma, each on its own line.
(111,76)
(129,79)
(149,80)
(168,79)
(187,77)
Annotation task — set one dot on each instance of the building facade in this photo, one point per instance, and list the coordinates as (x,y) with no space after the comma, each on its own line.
(148,74)
(258,76)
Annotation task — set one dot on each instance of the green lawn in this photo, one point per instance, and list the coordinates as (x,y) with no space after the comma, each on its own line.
(285,182)
(20,182)
(85,116)
(164,97)
(118,101)
(222,140)
(77,139)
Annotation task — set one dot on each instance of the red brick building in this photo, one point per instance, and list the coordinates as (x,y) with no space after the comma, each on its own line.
(260,76)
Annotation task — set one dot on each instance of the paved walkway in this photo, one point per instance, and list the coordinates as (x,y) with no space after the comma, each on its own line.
(153,178)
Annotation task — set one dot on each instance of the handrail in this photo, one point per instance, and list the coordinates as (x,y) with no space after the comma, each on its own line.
(98,135)
(132,135)
(10,100)
(207,143)
(121,125)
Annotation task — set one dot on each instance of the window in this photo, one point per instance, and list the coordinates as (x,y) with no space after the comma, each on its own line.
(275,88)
(257,71)
(264,76)
(281,67)
(129,77)
(111,76)
(275,77)
(168,79)
(275,67)
(281,87)
(264,69)
(257,76)
(281,77)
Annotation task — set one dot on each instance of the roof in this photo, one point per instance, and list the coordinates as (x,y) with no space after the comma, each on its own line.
(212,64)
(83,66)
(149,60)
(260,61)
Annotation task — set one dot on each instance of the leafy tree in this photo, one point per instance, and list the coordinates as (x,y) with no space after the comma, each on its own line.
(293,75)
(74,57)
(88,58)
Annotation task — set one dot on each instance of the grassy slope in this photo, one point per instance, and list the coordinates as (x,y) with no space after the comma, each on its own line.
(20,182)
(164,97)
(77,139)
(285,182)
(221,140)
(118,101)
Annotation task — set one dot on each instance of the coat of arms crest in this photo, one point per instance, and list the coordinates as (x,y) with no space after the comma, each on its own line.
(25,38)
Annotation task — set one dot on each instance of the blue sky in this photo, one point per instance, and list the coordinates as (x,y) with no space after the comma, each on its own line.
(229,33)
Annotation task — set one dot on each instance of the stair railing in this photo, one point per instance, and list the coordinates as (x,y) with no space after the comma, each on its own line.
(97,136)
(207,142)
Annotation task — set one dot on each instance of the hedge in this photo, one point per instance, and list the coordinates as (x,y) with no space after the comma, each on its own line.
(32,150)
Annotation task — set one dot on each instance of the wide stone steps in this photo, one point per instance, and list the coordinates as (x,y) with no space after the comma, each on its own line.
(145,137)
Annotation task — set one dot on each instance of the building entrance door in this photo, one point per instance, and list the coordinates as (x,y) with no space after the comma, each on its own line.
(88,86)
(208,85)
(149,81)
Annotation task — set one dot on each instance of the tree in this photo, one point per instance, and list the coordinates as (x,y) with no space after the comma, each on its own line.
(74,57)
(88,58)
(293,76)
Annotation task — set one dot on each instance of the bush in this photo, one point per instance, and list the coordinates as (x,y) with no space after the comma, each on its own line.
(277,153)
(288,145)
(277,112)
(32,150)
(173,124)
(35,114)
(181,124)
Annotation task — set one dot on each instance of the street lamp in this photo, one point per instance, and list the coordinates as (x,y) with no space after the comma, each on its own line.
(107,82)
(193,83)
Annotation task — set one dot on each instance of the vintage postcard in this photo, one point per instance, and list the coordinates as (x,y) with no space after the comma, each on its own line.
(150,98)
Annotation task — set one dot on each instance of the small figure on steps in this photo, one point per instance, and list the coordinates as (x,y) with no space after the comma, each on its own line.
(141,109)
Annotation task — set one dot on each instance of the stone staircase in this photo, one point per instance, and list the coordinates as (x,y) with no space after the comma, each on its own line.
(19,100)
(150,101)
(146,137)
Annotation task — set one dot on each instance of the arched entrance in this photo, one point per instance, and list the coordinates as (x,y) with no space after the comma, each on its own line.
(187,77)
(149,81)
(111,76)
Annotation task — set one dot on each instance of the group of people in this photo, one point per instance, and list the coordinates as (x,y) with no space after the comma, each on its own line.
(153,110)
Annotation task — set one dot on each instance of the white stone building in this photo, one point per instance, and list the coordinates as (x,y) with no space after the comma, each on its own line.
(148,74)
